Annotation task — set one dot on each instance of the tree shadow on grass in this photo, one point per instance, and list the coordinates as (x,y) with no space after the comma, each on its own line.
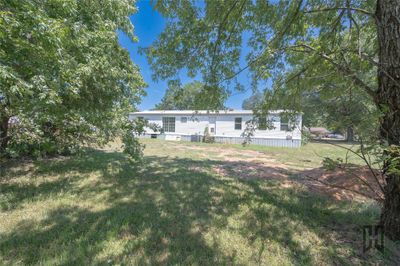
(13,195)
(161,214)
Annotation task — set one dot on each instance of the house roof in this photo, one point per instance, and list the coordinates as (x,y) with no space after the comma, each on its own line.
(201,112)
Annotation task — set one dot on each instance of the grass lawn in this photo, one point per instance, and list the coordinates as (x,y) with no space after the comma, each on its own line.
(182,207)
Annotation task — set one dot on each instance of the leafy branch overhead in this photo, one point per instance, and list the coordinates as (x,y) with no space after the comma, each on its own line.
(64,78)
(208,40)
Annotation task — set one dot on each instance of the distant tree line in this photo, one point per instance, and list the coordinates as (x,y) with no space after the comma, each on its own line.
(187,97)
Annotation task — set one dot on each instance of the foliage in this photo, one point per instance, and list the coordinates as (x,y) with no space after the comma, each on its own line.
(253,101)
(188,97)
(305,137)
(340,110)
(248,132)
(394,157)
(283,37)
(64,79)
(336,102)
(331,164)
(319,56)
(131,145)
(207,138)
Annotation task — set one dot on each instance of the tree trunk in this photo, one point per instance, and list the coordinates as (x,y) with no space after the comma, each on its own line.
(388,101)
(3,133)
(350,134)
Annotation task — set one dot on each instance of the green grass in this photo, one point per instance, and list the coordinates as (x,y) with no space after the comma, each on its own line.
(98,208)
(310,155)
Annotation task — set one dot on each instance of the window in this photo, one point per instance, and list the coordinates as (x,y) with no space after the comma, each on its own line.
(284,124)
(262,123)
(238,123)
(183,119)
(212,130)
(168,124)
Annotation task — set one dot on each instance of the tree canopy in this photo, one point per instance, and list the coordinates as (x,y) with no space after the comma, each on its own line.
(64,79)
(253,101)
(347,111)
(303,47)
(187,97)
(282,37)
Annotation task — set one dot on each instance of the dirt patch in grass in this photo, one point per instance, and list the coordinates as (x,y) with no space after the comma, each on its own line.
(356,180)
(252,171)
(320,181)
(359,181)
(232,155)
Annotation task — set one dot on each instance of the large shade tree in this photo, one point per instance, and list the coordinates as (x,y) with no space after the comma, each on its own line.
(288,41)
(64,79)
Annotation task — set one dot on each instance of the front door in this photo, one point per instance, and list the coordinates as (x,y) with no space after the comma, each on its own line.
(212,125)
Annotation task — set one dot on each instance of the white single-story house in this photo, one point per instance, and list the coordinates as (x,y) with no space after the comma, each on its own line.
(225,126)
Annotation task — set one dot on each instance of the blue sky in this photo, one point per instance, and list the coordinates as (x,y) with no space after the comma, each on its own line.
(148,25)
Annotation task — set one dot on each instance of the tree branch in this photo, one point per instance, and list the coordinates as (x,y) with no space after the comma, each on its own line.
(258,57)
(370,167)
(360,10)
(344,69)
(220,29)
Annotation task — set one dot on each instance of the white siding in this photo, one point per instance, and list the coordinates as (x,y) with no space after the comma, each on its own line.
(224,125)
